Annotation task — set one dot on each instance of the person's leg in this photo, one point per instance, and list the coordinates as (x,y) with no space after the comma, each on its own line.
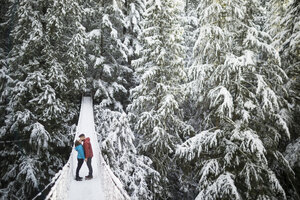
(79,164)
(89,164)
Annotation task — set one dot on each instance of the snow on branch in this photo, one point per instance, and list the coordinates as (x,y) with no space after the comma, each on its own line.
(292,153)
(39,137)
(212,9)
(168,106)
(221,98)
(201,143)
(210,168)
(211,30)
(28,169)
(275,184)
(253,39)
(249,142)
(223,188)
(269,97)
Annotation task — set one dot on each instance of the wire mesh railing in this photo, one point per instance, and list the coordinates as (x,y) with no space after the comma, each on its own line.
(111,184)
(62,182)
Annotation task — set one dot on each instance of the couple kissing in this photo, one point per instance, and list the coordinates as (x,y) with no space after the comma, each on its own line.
(85,153)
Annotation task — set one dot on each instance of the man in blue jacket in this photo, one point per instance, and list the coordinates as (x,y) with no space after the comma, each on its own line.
(80,158)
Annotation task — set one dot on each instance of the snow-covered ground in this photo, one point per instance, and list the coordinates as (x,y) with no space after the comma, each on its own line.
(87,189)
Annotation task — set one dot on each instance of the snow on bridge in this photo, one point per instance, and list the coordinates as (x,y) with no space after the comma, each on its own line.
(104,186)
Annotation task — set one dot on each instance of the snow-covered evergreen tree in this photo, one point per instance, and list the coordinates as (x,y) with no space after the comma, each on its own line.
(285,32)
(21,123)
(237,83)
(4,78)
(289,36)
(289,40)
(108,53)
(46,68)
(4,48)
(66,41)
(133,11)
(275,12)
(290,54)
(292,155)
(113,73)
(156,107)
(190,25)
(120,152)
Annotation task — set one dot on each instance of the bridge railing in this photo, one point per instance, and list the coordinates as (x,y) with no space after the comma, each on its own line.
(62,182)
(111,184)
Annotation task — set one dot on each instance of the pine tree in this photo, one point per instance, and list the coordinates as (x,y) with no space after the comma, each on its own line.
(4,30)
(106,59)
(190,19)
(188,182)
(46,66)
(111,84)
(108,54)
(289,49)
(5,26)
(4,78)
(156,100)
(237,86)
(133,11)
(66,41)
(275,12)
(120,153)
(21,123)
(285,31)
(290,54)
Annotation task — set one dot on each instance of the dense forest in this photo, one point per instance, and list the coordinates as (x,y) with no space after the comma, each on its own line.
(193,99)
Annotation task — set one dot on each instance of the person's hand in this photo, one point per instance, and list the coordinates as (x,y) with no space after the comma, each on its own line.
(85,159)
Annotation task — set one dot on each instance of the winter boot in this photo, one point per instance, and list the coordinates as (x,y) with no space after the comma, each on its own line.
(88,177)
(78,178)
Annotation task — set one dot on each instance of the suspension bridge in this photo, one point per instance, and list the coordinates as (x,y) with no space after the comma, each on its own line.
(104,186)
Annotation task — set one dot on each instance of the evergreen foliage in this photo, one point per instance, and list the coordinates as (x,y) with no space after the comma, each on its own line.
(43,80)
(156,100)
(284,27)
(237,84)
(108,54)
(289,38)
(211,89)
(120,152)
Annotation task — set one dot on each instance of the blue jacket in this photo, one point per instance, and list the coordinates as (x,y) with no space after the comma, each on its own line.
(80,151)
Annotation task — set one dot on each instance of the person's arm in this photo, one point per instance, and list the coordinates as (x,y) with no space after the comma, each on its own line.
(85,150)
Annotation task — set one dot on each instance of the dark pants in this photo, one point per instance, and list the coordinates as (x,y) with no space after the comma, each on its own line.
(79,164)
(89,164)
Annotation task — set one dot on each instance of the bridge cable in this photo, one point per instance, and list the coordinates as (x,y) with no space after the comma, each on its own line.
(46,187)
